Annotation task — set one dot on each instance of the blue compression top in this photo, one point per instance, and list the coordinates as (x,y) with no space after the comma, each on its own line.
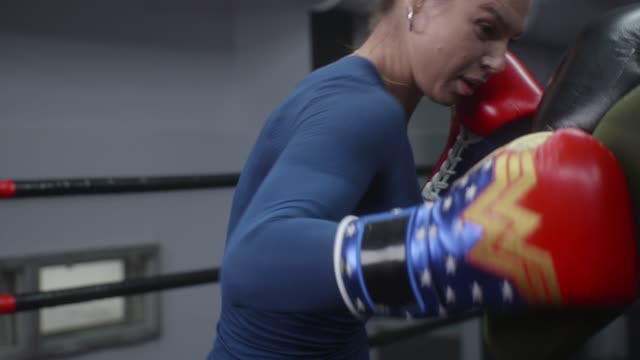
(336,146)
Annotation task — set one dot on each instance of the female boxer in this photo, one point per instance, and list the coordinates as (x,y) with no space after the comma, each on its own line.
(338,146)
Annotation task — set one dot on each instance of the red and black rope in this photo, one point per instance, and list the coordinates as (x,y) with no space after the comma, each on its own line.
(109,185)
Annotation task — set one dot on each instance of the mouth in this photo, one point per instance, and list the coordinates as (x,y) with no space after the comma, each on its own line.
(467,86)
(473,82)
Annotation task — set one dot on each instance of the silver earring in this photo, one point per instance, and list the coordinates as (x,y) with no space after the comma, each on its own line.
(410,18)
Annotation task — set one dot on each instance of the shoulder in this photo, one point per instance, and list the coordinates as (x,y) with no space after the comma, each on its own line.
(348,97)
(353,106)
(349,85)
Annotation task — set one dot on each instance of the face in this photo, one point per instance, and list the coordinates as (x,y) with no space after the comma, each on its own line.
(456,45)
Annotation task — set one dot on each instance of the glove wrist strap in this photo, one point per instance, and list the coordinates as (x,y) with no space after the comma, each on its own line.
(372,271)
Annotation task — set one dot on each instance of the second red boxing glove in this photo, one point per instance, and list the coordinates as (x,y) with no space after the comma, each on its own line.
(500,111)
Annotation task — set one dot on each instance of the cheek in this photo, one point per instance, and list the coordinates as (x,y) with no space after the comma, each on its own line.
(440,57)
(431,70)
(464,46)
(465,59)
(422,61)
(456,51)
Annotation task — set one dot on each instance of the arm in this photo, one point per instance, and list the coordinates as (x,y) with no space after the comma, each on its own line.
(280,256)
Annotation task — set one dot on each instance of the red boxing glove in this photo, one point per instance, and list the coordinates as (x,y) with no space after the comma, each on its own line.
(545,221)
(560,225)
(507,96)
(500,111)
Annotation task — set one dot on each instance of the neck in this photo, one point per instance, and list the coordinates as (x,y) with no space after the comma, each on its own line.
(386,53)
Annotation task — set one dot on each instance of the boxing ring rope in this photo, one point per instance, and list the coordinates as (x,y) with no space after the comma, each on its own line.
(10,304)
(13,304)
(111,185)
(17,303)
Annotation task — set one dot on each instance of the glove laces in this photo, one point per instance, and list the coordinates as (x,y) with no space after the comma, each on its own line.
(440,181)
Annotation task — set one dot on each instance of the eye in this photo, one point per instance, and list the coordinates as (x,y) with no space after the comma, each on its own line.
(486,31)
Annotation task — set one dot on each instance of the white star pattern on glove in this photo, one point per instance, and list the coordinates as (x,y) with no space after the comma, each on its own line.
(450,265)
(347,268)
(458,227)
(425,279)
(448,201)
(421,234)
(463,181)
(433,232)
(476,292)
(450,295)
(396,211)
(470,193)
(507,292)
(487,166)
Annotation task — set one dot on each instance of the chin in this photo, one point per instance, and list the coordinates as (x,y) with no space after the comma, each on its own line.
(441,95)
(446,100)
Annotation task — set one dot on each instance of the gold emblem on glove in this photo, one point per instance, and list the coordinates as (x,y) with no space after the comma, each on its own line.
(503,248)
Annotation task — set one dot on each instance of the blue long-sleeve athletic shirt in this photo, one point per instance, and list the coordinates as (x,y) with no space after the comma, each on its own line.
(336,146)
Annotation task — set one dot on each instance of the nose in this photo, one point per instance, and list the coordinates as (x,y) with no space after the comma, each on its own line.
(495,60)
